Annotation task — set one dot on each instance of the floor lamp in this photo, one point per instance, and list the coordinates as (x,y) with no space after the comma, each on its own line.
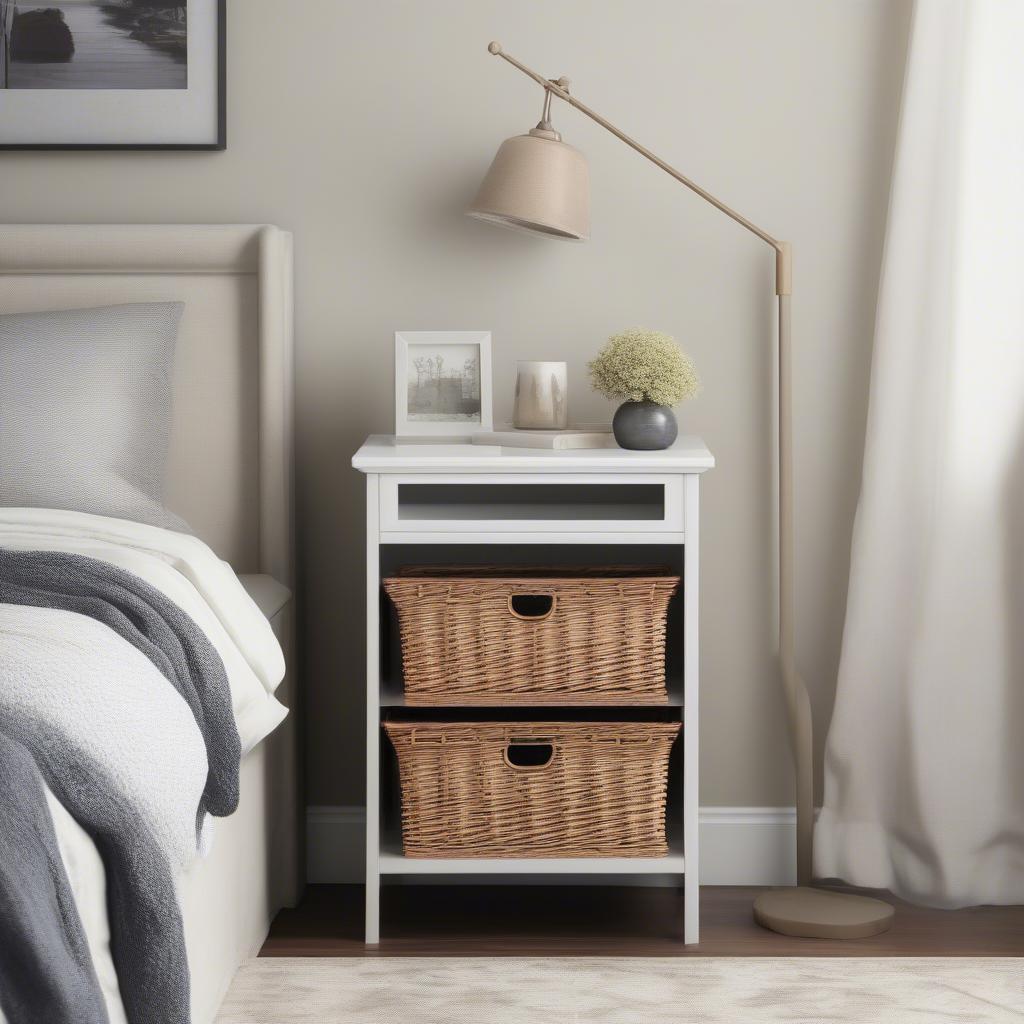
(540,184)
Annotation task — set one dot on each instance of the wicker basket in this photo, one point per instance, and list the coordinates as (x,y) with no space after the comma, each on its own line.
(497,636)
(597,789)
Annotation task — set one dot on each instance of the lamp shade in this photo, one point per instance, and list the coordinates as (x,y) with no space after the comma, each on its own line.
(537,183)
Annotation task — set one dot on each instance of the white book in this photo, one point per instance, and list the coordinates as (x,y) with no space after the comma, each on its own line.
(550,440)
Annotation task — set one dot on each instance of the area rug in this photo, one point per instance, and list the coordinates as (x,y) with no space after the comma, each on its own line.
(683,990)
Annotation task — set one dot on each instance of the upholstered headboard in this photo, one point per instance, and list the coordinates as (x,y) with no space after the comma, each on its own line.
(230,470)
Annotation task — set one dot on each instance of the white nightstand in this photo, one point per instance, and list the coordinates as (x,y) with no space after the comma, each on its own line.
(461,503)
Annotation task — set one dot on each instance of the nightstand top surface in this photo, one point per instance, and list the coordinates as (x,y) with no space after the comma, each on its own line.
(384,453)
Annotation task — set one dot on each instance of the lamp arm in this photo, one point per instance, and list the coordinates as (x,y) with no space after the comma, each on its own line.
(797,699)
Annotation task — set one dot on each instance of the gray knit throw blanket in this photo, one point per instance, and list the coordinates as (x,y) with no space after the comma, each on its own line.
(46,972)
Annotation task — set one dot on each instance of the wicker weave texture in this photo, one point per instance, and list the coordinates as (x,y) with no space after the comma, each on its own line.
(601,794)
(464,640)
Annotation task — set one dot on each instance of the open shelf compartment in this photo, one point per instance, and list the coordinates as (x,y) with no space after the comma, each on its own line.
(395,556)
(393,862)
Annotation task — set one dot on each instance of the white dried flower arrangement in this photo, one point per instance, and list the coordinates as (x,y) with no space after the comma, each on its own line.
(644,366)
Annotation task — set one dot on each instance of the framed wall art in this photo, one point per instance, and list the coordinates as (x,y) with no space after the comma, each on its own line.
(112,74)
(442,383)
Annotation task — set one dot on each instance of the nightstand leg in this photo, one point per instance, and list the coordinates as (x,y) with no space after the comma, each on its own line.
(691,909)
(372,911)
(691,709)
(372,709)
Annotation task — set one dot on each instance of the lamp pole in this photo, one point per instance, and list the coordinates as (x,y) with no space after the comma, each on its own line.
(800,911)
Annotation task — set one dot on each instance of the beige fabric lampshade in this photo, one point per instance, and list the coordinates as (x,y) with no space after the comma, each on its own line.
(537,183)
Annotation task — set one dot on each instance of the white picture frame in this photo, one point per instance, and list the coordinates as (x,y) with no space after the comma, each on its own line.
(438,393)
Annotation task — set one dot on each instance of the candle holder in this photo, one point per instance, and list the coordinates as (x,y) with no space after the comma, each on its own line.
(542,396)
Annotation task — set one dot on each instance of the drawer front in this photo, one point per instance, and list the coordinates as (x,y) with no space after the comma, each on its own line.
(531,503)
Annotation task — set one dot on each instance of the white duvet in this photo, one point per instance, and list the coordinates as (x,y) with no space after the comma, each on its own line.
(119,706)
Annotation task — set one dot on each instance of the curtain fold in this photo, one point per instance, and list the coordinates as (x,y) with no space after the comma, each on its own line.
(924,761)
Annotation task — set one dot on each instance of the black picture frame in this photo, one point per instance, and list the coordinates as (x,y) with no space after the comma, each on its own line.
(222,139)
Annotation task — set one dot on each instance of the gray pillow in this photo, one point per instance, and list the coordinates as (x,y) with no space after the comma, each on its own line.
(85,409)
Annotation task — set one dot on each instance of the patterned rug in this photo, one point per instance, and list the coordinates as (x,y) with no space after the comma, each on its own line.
(683,990)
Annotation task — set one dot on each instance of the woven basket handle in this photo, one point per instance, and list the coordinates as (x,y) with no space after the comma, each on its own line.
(528,743)
(532,607)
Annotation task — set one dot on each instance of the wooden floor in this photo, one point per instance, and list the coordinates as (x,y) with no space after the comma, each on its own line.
(482,920)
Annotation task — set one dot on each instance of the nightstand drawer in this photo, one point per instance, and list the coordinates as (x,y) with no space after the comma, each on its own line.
(495,504)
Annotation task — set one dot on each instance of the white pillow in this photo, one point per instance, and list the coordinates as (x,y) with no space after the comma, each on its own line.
(85,409)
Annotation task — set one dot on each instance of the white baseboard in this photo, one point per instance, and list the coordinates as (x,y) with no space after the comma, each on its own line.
(748,846)
(738,845)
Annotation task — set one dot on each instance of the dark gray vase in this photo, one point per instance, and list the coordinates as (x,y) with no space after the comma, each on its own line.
(644,426)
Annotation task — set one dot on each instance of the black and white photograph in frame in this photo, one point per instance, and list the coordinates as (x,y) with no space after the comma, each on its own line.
(111,74)
(442,383)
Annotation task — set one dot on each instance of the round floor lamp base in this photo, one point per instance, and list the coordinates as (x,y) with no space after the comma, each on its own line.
(821,914)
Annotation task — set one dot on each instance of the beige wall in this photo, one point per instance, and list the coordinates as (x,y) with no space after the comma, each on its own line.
(364,127)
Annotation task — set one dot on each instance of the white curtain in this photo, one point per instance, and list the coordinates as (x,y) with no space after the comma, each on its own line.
(924,772)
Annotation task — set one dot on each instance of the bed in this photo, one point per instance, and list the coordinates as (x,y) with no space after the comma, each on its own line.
(229,475)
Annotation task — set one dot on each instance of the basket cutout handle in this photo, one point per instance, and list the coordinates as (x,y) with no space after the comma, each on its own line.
(528,755)
(532,607)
